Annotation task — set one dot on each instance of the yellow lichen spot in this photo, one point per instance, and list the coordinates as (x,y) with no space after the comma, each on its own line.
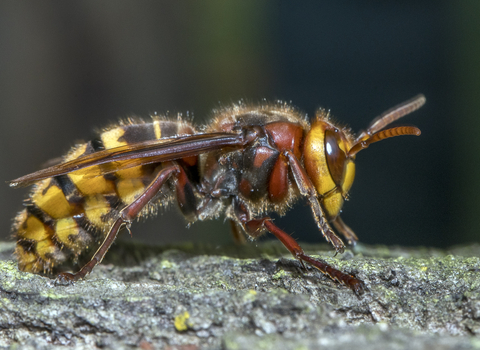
(92,185)
(280,274)
(180,321)
(165,264)
(424,268)
(95,208)
(157,129)
(250,295)
(110,138)
(64,228)
(53,201)
(129,189)
(33,229)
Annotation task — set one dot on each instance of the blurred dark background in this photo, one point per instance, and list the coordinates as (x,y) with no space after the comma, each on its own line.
(68,67)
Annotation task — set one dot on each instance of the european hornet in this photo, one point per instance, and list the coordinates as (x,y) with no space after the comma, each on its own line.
(248,161)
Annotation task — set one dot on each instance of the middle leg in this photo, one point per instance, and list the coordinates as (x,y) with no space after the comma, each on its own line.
(255,227)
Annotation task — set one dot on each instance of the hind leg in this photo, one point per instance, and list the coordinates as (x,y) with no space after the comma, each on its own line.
(124,219)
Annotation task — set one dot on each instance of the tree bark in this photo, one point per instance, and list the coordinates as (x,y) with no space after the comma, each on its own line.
(203,297)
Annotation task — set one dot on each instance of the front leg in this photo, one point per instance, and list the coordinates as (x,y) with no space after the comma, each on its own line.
(307,189)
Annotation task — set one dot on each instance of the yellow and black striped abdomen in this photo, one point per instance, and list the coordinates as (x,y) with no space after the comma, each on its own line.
(69,215)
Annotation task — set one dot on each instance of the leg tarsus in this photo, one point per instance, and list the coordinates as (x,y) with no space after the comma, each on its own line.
(345,230)
(303,264)
(65,279)
(352,282)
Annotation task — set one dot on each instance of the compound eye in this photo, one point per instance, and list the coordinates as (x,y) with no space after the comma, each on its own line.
(336,157)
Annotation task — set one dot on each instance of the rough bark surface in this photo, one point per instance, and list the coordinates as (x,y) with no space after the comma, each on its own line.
(199,297)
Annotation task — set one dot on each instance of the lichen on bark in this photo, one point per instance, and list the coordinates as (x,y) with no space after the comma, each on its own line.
(199,296)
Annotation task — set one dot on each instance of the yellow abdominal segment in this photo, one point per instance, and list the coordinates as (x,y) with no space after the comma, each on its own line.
(50,198)
(69,215)
(96,208)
